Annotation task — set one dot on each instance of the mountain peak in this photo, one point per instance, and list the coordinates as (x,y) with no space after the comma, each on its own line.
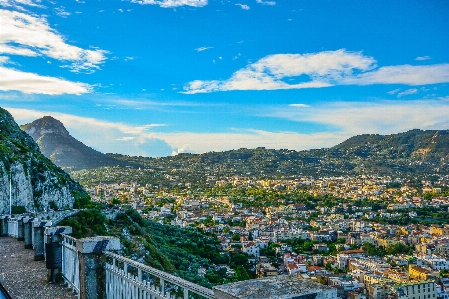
(45,125)
(59,146)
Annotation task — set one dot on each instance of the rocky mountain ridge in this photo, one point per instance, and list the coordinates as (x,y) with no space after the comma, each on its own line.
(61,148)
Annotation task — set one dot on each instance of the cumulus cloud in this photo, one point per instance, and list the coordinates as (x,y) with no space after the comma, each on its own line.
(243,6)
(173,3)
(266,2)
(322,69)
(30,83)
(27,35)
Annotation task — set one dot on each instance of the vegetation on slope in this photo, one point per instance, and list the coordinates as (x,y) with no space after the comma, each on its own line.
(169,248)
(414,153)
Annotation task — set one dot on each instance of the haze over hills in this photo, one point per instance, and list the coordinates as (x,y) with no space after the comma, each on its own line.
(412,152)
(59,146)
(36,182)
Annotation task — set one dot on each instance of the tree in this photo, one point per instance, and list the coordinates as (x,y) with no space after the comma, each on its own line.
(399,248)
(239,259)
(235,237)
(241,273)
(115,201)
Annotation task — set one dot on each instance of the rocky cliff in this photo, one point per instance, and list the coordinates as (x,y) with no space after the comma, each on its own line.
(61,148)
(37,184)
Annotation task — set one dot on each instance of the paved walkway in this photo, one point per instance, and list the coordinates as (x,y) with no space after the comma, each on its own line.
(25,278)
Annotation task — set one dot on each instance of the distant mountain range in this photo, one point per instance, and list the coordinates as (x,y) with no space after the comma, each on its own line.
(412,152)
(59,146)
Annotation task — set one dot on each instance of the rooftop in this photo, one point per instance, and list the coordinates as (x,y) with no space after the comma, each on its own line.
(275,287)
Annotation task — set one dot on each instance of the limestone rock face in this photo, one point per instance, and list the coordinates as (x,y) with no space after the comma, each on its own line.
(28,177)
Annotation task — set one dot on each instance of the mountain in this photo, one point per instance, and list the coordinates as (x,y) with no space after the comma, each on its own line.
(425,146)
(59,146)
(415,153)
(37,183)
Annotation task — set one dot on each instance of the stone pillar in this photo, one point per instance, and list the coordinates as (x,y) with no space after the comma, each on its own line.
(27,232)
(92,263)
(4,225)
(39,246)
(20,236)
(53,259)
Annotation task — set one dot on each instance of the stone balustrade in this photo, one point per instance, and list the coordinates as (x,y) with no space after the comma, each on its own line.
(126,278)
(92,270)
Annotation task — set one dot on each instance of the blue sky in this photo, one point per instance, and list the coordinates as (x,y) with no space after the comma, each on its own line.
(159,77)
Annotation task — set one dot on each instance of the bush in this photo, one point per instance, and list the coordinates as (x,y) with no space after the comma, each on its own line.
(18,210)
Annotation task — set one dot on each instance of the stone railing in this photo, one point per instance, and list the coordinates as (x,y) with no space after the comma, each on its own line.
(70,263)
(91,268)
(126,278)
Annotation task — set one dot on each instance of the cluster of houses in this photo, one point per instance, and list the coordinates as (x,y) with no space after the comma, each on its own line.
(416,276)
(349,268)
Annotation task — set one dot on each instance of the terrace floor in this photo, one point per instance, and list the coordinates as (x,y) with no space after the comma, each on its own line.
(25,278)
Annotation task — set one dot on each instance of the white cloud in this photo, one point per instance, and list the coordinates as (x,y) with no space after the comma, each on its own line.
(205,142)
(17,4)
(408,92)
(346,118)
(323,69)
(3,59)
(200,49)
(60,11)
(402,74)
(173,3)
(383,117)
(299,105)
(421,58)
(23,34)
(126,138)
(243,6)
(33,83)
(107,137)
(143,104)
(266,2)
(394,91)
(268,73)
